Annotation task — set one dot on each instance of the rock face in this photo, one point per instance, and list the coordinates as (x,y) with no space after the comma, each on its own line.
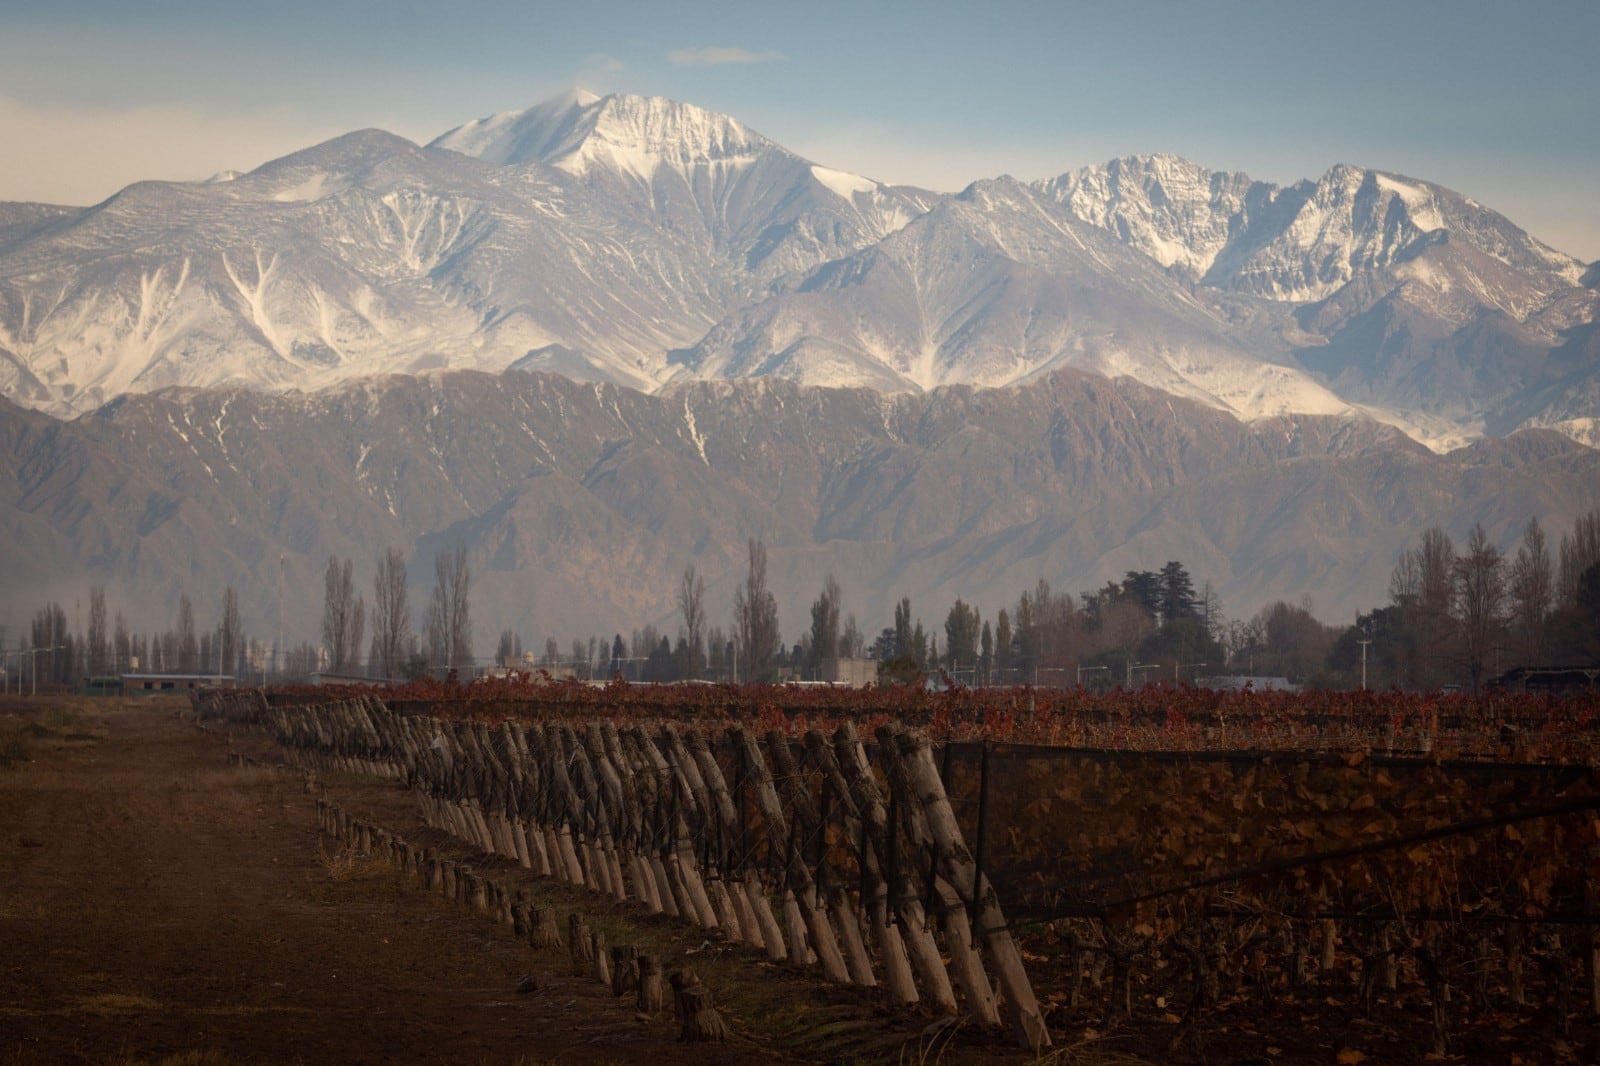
(580,503)
(643,241)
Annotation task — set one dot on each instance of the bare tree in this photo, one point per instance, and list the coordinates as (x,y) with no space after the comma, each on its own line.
(508,652)
(99,646)
(755,612)
(122,646)
(1423,586)
(449,613)
(188,644)
(343,616)
(1480,598)
(825,622)
(1579,551)
(1532,592)
(851,642)
(228,633)
(391,614)
(691,604)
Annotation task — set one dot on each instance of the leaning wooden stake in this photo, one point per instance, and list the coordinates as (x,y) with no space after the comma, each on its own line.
(804,890)
(846,763)
(809,825)
(749,897)
(964,961)
(961,871)
(680,855)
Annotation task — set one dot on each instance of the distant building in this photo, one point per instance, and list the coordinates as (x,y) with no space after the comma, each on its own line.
(1240,682)
(137,683)
(852,673)
(327,677)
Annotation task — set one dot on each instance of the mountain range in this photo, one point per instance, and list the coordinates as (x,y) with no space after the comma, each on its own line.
(606,336)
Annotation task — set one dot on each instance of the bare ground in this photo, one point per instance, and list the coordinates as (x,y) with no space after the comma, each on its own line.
(158,905)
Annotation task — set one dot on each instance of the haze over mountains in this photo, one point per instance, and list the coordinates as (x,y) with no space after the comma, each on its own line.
(1179,354)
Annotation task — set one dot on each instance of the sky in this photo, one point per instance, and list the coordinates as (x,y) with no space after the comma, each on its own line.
(1494,100)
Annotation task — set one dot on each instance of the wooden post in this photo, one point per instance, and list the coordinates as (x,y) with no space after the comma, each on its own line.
(801,895)
(654,799)
(579,944)
(680,856)
(632,820)
(546,933)
(609,785)
(588,808)
(964,960)
(701,1021)
(650,1001)
(602,958)
(702,819)
(858,791)
(624,969)
(960,870)
(755,910)
(813,826)
(559,802)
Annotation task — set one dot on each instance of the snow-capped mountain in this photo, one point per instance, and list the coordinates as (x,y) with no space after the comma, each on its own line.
(640,241)
(993,287)
(1304,242)
(705,178)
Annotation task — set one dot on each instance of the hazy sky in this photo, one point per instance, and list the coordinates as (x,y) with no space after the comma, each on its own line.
(1495,100)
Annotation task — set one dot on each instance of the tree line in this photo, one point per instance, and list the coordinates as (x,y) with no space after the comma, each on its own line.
(1453,617)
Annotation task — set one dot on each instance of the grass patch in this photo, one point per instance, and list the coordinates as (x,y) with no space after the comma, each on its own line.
(118,1003)
(341,864)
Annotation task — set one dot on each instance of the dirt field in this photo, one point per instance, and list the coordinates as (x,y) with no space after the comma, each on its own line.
(158,905)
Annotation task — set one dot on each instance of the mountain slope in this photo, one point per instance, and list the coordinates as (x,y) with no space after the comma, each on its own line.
(706,178)
(579,504)
(639,241)
(1407,298)
(362,256)
(991,287)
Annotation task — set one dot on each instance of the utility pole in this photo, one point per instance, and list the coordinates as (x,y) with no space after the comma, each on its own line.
(1364,644)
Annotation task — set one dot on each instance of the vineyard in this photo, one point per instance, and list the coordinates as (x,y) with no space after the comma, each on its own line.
(1239,875)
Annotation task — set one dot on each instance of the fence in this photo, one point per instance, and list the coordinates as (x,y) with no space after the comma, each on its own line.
(1127,876)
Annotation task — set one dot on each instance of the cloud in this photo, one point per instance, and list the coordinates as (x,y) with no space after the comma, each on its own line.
(600,64)
(716,57)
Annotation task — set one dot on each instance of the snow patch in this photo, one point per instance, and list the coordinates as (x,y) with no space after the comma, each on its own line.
(313,188)
(694,431)
(1420,204)
(842,183)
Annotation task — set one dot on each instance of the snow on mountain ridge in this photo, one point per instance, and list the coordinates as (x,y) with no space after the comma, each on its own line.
(640,240)
(1293,244)
(631,134)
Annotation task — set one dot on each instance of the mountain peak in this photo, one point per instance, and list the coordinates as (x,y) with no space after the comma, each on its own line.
(630,134)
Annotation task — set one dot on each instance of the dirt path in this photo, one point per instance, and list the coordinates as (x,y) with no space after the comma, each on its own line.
(156,904)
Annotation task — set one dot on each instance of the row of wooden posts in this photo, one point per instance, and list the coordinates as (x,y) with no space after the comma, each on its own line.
(861,856)
(624,969)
